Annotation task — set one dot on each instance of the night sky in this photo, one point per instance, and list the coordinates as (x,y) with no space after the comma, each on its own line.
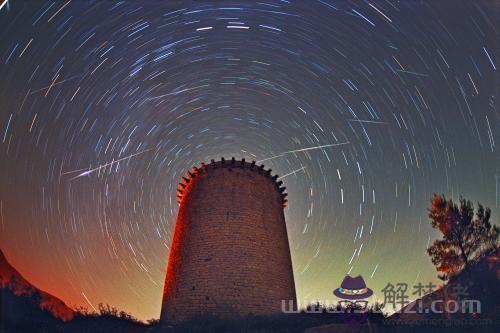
(365,107)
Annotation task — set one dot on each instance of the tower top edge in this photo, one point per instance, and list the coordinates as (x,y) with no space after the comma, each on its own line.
(230,164)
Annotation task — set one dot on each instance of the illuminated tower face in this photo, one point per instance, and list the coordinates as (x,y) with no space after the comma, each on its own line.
(229,254)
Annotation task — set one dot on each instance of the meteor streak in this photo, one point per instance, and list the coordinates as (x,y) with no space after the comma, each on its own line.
(291,173)
(88,172)
(410,72)
(367,121)
(173,93)
(304,149)
(54,84)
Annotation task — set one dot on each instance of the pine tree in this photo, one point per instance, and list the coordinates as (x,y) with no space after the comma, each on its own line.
(467,237)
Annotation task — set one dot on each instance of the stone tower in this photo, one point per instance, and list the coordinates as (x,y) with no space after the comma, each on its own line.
(229,253)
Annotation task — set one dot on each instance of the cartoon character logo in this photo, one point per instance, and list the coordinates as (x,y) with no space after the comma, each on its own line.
(353,290)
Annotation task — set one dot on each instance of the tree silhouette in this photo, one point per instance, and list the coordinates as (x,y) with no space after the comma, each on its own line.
(466,238)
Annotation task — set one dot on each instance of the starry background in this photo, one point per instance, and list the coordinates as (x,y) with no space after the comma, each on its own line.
(105,105)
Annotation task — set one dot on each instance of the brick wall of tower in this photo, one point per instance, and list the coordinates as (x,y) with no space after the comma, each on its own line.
(229,254)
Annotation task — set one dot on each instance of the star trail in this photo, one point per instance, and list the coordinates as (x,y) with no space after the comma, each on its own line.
(365,108)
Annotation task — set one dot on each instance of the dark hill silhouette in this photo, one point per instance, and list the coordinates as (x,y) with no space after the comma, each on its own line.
(479,281)
(12,280)
(25,308)
(23,314)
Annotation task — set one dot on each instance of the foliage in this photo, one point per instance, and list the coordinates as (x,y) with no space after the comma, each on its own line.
(106,311)
(281,323)
(467,237)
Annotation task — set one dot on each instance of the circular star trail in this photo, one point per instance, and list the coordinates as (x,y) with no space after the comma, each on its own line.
(364,108)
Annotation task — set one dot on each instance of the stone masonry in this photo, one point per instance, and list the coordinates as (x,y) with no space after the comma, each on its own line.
(229,255)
